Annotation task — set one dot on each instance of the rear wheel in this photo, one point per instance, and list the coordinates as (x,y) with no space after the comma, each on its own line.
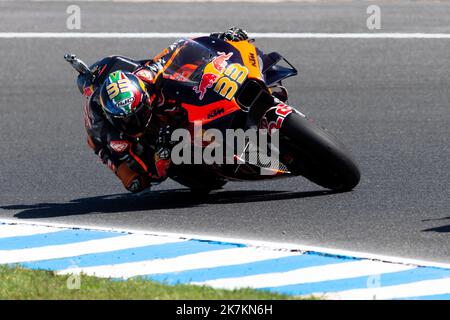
(317,155)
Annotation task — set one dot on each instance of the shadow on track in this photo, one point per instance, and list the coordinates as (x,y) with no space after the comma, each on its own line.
(441,229)
(155,200)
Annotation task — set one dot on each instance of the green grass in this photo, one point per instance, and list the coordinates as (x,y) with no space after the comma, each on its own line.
(19,283)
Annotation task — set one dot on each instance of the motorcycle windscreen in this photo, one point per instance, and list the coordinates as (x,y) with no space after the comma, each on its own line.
(205,75)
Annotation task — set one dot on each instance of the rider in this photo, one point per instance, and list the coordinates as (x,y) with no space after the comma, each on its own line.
(126,102)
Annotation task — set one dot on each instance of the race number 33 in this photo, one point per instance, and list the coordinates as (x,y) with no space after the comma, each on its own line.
(121,86)
(228,85)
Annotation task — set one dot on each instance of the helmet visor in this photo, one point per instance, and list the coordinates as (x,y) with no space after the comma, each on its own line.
(135,123)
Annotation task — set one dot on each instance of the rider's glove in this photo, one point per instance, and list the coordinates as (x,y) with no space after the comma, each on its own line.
(163,153)
(164,139)
(232,34)
(164,144)
(138,184)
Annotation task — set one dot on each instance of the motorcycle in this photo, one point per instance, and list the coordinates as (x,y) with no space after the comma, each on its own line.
(234,85)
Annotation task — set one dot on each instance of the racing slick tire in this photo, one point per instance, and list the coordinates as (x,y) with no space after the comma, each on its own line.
(317,155)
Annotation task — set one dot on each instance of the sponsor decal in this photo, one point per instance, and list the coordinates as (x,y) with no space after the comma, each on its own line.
(214,113)
(125,102)
(252,59)
(145,75)
(282,110)
(119,146)
(212,73)
(208,79)
(220,62)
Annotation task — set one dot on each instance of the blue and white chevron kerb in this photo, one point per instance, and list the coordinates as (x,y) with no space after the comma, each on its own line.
(220,264)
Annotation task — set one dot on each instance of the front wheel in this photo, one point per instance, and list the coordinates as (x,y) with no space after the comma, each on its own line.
(195,177)
(317,155)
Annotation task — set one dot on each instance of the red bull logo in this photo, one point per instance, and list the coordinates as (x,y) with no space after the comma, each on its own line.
(220,62)
(212,72)
(208,79)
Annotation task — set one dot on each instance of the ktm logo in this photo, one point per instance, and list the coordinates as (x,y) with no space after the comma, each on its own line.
(252,59)
(215,113)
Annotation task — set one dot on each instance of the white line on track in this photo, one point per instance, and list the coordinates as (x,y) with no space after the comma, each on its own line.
(82,248)
(195,1)
(272,35)
(410,290)
(307,275)
(202,1)
(210,259)
(254,243)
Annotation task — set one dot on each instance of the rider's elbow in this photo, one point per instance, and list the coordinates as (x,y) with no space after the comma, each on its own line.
(132,181)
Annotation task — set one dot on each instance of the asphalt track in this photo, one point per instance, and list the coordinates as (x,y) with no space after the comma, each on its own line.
(388,99)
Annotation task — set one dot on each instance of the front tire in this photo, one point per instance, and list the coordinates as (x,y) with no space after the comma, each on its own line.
(317,155)
(196,178)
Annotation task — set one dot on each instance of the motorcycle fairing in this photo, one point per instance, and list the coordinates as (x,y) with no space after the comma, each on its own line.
(185,76)
(273,72)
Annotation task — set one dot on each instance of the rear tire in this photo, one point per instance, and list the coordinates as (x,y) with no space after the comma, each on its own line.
(317,155)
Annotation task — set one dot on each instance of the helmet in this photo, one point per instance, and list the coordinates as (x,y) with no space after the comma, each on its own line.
(126,103)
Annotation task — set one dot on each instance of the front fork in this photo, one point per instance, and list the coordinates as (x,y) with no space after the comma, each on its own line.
(273,119)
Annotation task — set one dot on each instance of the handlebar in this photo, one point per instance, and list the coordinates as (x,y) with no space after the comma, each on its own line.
(77,64)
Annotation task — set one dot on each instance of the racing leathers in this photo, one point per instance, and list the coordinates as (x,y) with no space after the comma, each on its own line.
(138,161)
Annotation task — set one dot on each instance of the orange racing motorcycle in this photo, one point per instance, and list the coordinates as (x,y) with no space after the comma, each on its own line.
(233,85)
